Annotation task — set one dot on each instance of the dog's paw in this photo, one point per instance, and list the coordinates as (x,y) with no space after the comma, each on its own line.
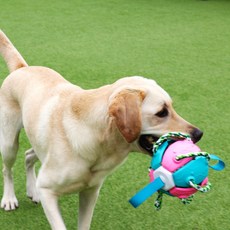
(33,195)
(9,203)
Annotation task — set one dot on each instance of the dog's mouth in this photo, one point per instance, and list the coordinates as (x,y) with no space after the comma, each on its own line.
(146,142)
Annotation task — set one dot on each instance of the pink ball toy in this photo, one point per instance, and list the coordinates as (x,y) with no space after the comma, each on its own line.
(178,168)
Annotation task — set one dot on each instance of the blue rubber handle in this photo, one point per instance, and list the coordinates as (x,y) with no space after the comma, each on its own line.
(219,166)
(146,192)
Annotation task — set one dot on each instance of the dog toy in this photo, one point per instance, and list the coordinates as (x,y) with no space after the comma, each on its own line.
(178,168)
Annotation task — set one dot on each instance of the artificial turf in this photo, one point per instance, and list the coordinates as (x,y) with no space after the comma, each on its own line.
(183,44)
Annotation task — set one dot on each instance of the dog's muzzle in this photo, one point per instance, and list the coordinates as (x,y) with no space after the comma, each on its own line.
(146,142)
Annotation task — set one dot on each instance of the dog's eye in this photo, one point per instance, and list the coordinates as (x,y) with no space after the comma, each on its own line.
(163,113)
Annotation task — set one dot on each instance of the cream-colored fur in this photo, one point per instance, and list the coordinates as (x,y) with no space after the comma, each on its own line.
(80,136)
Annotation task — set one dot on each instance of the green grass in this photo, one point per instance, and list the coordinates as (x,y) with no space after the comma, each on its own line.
(182,44)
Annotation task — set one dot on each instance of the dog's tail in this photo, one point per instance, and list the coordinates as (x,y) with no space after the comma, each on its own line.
(12,57)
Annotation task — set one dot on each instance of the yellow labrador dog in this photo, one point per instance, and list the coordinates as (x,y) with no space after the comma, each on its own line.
(80,136)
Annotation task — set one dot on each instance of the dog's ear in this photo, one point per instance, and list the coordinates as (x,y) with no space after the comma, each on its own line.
(126,110)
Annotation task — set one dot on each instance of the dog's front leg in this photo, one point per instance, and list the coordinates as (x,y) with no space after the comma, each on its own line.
(87,201)
(49,202)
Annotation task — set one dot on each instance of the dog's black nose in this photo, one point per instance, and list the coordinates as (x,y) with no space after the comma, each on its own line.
(196,135)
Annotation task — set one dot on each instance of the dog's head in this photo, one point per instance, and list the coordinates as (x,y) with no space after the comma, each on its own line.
(143,112)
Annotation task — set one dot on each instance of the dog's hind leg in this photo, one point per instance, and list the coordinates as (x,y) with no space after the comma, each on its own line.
(10,125)
(9,200)
(31,159)
(9,150)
